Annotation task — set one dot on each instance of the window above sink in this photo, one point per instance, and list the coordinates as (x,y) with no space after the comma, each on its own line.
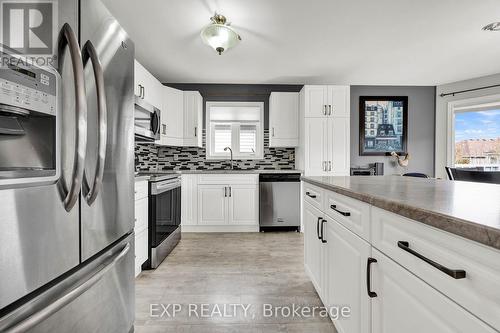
(237,125)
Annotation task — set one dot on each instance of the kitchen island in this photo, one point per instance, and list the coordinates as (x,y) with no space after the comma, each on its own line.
(407,254)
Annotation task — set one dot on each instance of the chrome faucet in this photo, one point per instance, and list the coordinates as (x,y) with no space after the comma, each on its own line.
(229,148)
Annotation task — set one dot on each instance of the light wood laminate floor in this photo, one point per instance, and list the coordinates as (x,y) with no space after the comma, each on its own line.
(229,268)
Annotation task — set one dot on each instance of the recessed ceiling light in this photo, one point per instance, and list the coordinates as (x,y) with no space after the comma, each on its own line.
(219,35)
(495,26)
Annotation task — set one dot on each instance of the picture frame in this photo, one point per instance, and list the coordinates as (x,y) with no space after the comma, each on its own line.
(383,125)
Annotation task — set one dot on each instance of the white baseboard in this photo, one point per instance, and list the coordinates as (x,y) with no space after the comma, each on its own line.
(219,228)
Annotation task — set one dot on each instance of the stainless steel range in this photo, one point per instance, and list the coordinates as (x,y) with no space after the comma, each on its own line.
(164,217)
(67,181)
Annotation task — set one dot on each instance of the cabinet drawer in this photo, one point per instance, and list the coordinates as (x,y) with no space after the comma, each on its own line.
(351,213)
(228,179)
(141,214)
(141,189)
(313,195)
(478,291)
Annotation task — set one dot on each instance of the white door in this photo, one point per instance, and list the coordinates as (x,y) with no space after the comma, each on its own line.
(312,246)
(243,205)
(316,152)
(404,303)
(212,204)
(316,99)
(339,101)
(192,118)
(346,258)
(189,200)
(338,146)
(139,78)
(173,116)
(283,119)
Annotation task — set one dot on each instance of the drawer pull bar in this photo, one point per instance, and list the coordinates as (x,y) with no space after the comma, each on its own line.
(454,273)
(317,227)
(323,240)
(334,207)
(371,293)
(311,195)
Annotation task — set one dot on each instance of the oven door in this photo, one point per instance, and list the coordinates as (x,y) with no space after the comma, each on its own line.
(165,210)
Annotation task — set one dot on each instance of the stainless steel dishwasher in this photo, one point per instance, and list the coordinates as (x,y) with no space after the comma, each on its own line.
(279,201)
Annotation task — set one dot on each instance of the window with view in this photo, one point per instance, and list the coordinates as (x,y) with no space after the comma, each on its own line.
(477,139)
(237,125)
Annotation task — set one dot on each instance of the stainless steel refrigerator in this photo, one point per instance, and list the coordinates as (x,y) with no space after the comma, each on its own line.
(67,181)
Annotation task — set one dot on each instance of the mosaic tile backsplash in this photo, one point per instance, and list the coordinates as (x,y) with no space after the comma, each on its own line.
(149,157)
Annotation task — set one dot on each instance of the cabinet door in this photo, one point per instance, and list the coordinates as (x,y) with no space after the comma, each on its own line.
(212,204)
(404,303)
(173,116)
(283,119)
(316,156)
(141,214)
(312,246)
(316,99)
(339,101)
(346,257)
(338,146)
(189,200)
(193,113)
(243,205)
(141,249)
(139,77)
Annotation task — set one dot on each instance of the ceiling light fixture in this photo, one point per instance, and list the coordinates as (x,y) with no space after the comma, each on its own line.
(495,26)
(219,35)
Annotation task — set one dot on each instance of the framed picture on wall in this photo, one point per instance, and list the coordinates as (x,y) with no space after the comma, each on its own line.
(383,124)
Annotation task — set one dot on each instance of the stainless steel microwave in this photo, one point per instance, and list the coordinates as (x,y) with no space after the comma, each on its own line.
(146,121)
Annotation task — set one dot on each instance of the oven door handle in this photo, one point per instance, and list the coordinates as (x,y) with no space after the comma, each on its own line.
(158,189)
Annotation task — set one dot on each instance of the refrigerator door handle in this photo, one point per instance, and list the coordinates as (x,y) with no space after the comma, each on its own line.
(90,193)
(68,38)
(32,319)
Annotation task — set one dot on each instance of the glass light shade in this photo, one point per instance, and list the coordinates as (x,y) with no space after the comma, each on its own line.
(220,37)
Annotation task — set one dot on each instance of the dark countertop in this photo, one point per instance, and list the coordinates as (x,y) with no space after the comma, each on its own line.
(470,210)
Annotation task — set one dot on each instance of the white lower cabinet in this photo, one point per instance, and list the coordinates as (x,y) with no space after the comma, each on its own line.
(387,289)
(220,203)
(243,205)
(346,258)
(212,204)
(313,248)
(405,303)
(141,224)
(141,250)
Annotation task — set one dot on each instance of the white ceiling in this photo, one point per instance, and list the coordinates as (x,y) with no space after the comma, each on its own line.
(379,42)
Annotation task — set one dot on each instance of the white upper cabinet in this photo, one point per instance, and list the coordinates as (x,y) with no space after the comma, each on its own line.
(193,119)
(315,100)
(172,134)
(324,143)
(146,86)
(284,119)
(183,116)
(339,101)
(326,101)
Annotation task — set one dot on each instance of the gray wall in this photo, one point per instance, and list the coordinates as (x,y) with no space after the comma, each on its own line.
(421,127)
(236,93)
